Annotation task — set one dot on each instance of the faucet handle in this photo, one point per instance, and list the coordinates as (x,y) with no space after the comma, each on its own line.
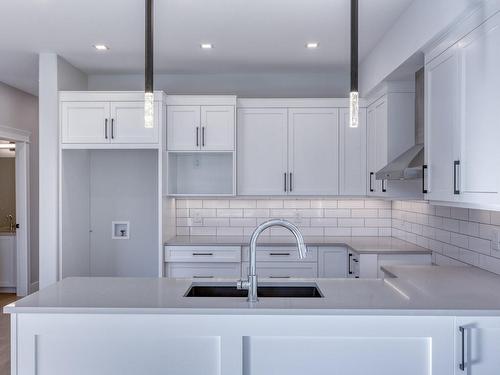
(243,284)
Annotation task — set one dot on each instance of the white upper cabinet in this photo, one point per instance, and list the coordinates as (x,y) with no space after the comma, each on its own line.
(262,151)
(352,162)
(201,123)
(313,153)
(442,113)
(85,122)
(100,118)
(183,128)
(390,132)
(217,128)
(462,129)
(125,117)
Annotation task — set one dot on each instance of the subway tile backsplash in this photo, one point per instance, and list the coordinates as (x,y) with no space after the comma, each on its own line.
(455,235)
(315,217)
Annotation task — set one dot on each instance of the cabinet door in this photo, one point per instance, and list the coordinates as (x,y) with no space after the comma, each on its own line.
(352,154)
(127,123)
(283,270)
(217,128)
(371,151)
(313,151)
(8,262)
(480,345)
(479,125)
(85,122)
(442,116)
(262,151)
(332,262)
(183,128)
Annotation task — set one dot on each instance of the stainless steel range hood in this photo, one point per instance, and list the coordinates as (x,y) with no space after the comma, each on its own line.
(409,165)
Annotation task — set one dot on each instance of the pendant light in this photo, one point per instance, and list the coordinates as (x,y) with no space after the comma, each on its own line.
(354,95)
(148,91)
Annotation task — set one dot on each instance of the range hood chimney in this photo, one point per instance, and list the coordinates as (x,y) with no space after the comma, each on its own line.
(408,165)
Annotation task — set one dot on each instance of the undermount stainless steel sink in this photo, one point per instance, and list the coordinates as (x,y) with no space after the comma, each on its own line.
(309,290)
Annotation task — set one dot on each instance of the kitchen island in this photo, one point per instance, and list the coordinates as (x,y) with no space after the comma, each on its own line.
(410,322)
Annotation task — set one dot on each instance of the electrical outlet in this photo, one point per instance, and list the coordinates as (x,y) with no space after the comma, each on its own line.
(495,240)
(197,220)
(297,218)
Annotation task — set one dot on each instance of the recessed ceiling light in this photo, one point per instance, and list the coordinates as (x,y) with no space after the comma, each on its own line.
(312,45)
(101,47)
(206,45)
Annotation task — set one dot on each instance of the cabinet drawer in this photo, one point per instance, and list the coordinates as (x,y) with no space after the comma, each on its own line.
(281,254)
(203,270)
(283,270)
(203,254)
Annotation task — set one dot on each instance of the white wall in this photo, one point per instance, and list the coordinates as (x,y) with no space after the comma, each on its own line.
(20,110)
(417,26)
(54,74)
(244,85)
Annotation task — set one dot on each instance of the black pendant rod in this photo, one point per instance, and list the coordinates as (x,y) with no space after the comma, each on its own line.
(354,45)
(149,47)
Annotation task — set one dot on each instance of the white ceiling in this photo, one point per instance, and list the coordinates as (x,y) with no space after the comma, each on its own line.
(259,36)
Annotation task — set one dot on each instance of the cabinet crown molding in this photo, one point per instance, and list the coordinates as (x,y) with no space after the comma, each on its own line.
(201,100)
(108,96)
(296,103)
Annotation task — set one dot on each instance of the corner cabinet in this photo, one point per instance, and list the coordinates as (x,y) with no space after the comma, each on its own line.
(462,129)
(101,118)
(390,132)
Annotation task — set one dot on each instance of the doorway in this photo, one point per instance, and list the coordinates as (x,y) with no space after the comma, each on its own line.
(14,211)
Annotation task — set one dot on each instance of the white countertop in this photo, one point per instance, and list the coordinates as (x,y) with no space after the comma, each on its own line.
(416,290)
(378,245)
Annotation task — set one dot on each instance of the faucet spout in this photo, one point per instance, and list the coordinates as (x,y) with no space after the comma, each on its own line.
(251,282)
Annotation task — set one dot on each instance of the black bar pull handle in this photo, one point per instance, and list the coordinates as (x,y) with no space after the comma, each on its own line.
(284,185)
(203,136)
(424,168)
(291,183)
(106,129)
(456,170)
(461,365)
(349,262)
(371,185)
(112,128)
(197,136)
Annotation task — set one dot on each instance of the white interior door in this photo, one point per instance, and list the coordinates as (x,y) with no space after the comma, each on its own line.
(85,122)
(22,218)
(127,123)
(480,129)
(262,151)
(313,151)
(183,128)
(217,128)
(442,116)
(352,154)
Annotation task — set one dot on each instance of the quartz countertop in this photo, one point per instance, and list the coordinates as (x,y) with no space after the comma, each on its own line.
(361,245)
(409,290)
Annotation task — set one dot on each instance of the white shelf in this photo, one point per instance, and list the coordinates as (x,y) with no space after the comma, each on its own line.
(201,173)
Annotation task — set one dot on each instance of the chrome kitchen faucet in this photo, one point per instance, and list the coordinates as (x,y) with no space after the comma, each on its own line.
(251,282)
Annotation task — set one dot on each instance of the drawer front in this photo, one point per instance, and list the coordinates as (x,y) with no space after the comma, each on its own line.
(281,254)
(203,270)
(203,254)
(283,270)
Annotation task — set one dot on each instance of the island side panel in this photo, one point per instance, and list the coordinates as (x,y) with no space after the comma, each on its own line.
(58,344)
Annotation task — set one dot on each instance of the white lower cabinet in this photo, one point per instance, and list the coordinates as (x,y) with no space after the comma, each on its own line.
(332,262)
(8,261)
(283,270)
(477,345)
(203,270)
